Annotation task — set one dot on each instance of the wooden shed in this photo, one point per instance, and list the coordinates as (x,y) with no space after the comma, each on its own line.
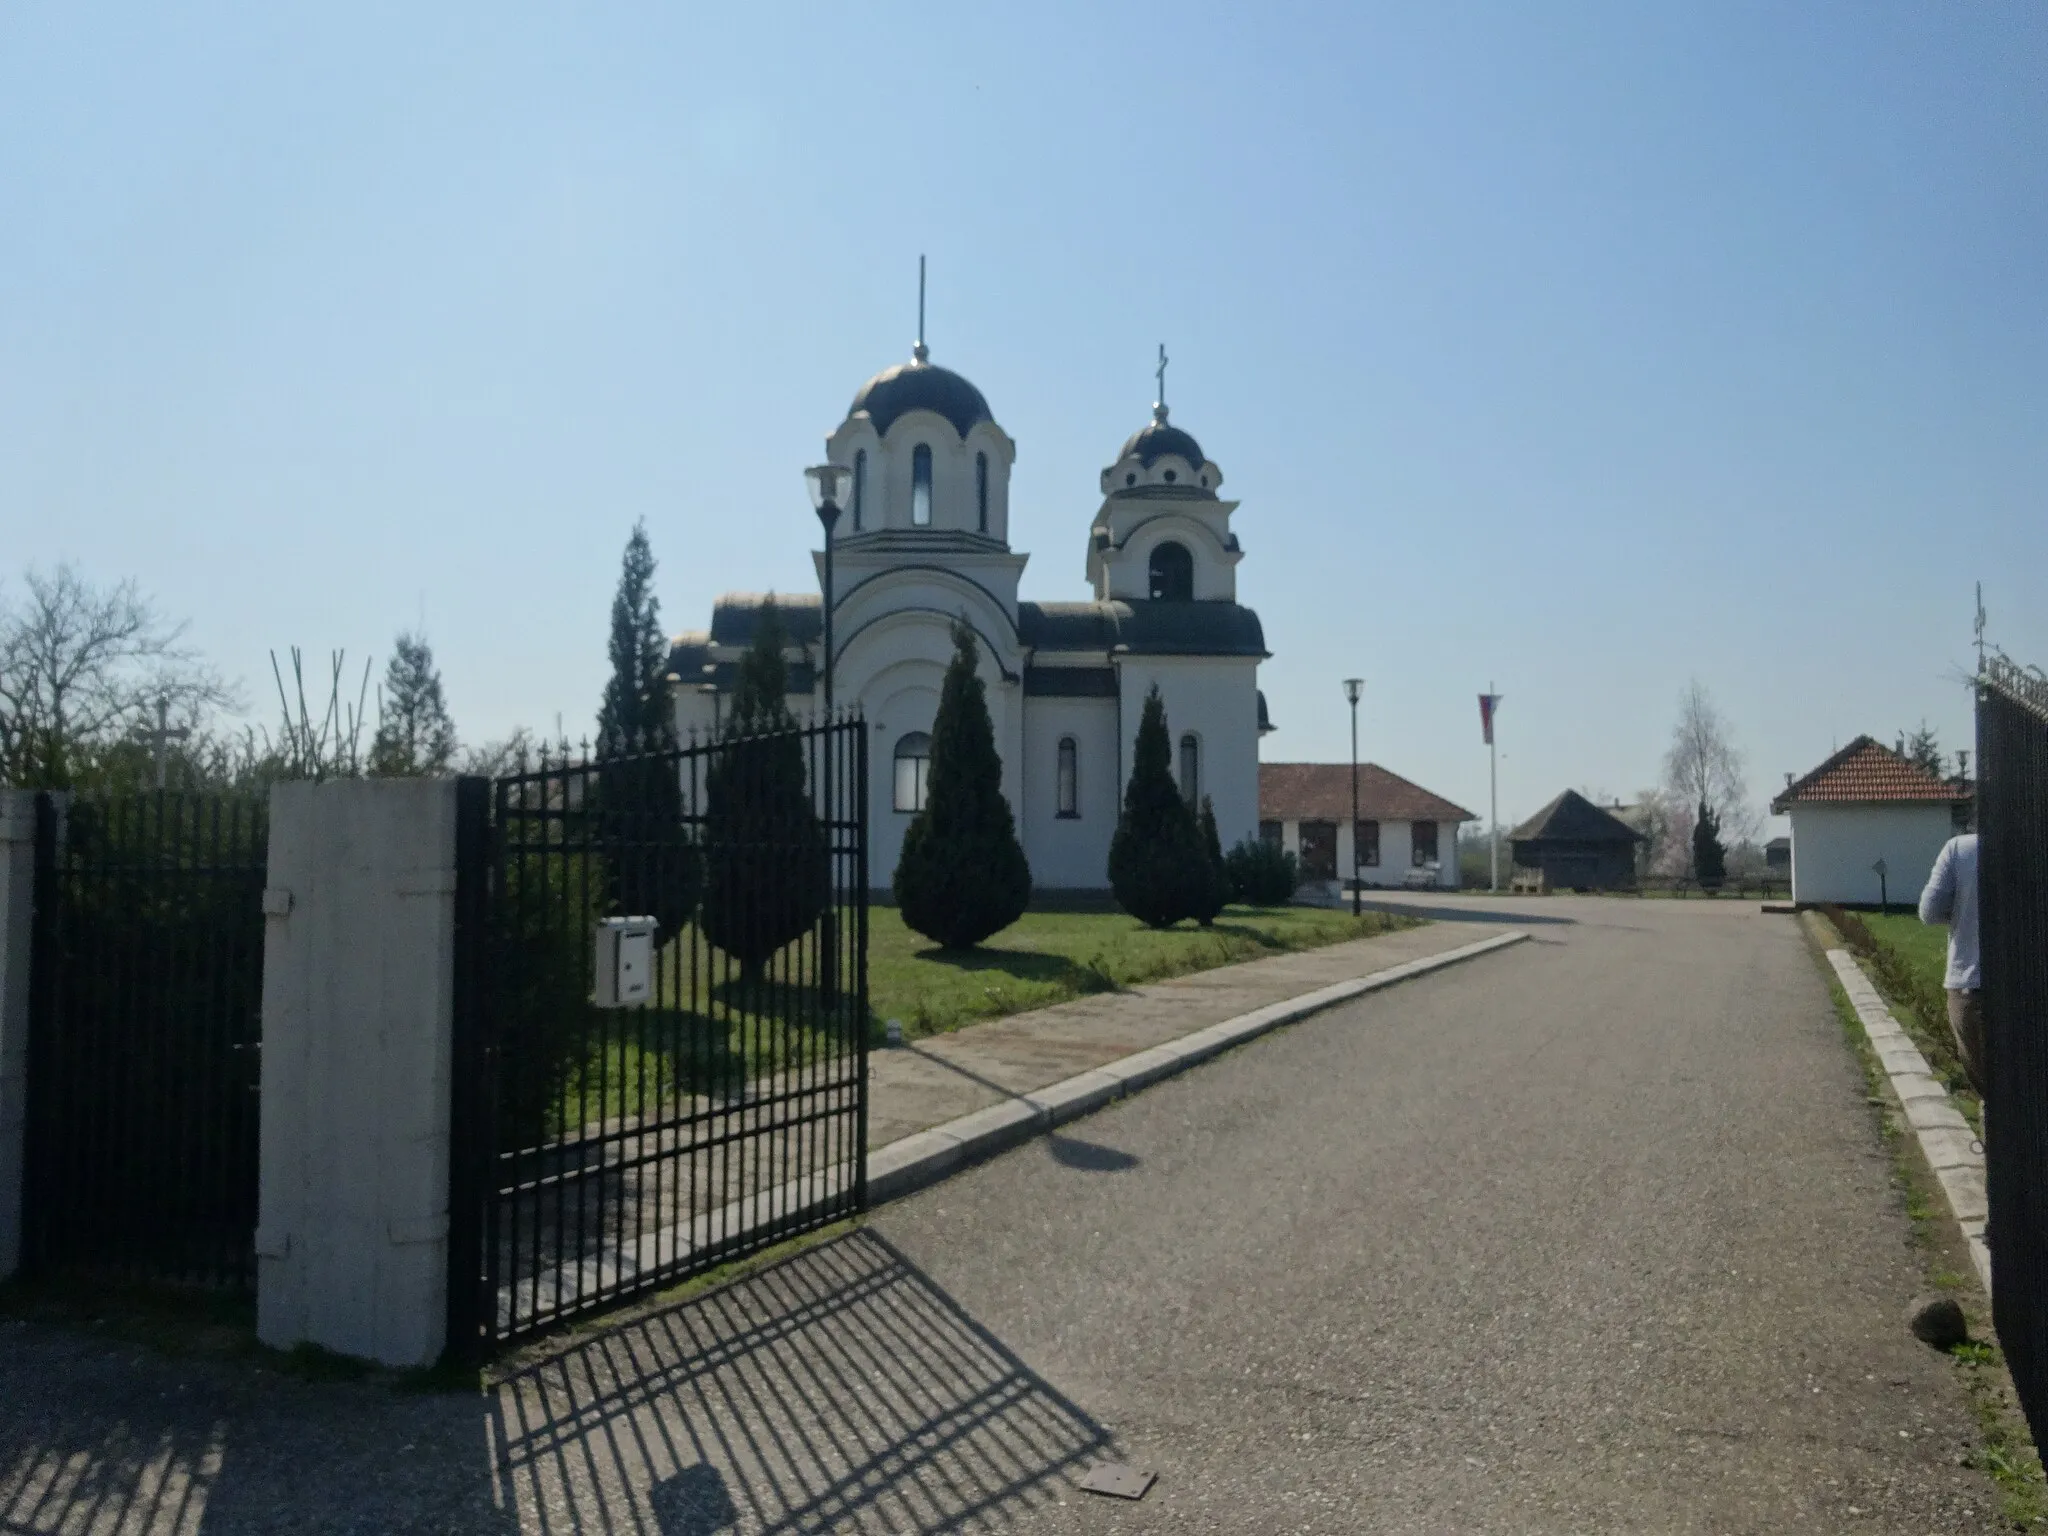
(1576,845)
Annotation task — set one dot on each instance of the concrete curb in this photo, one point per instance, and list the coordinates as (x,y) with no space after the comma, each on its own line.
(928,1156)
(1944,1134)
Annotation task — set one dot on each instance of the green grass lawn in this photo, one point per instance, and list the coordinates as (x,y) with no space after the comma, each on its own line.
(600,1064)
(1908,959)
(1048,957)
(1922,946)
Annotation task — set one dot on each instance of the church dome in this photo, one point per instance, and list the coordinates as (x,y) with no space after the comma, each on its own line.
(1156,439)
(920,386)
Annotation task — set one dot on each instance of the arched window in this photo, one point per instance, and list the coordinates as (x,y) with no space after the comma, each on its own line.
(913,771)
(860,487)
(921,486)
(1069,778)
(1173,573)
(981,488)
(1191,769)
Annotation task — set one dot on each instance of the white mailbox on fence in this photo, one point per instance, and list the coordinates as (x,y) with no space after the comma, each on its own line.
(624,962)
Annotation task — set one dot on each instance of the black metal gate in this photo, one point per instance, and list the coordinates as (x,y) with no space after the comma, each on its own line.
(145,1006)
(610,1139)
(2012,884)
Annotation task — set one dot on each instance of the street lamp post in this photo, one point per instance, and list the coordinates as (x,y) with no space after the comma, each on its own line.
(828,484)
(1354,690)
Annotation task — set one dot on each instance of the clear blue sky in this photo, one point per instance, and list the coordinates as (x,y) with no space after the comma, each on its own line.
(1586,348)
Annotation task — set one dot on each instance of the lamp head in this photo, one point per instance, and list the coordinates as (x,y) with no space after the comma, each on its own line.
(828,483)
(1354,689)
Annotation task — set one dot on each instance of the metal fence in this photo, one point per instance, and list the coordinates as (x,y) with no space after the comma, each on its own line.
(145,994)
(610,1139)
(2012,809)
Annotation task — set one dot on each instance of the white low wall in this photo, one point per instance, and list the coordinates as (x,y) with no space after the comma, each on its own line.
(17,887)
(1834,847)
(358,1008)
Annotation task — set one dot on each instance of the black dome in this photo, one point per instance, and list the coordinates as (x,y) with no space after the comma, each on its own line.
(918,386)
(1156,439)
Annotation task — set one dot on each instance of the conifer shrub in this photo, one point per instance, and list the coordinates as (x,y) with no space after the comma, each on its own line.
(1217,895)
(1262,874)
(767,873)
(637,797)
(1709,857)
(963,875)
(1158,869)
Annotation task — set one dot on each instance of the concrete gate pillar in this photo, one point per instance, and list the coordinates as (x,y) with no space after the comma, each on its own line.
(17,908)
(358,1011)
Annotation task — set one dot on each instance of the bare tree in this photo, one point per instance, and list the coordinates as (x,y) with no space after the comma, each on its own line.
(83,668)
(323,746)
(495,759)
(1704,767)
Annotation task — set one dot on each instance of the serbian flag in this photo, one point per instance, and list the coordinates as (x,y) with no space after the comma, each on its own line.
(1488,703)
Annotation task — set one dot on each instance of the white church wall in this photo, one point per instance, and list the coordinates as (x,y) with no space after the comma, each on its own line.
(989,604)
(1070,853)
(886,496)
(901,696)
(1217,699)
(1195,528)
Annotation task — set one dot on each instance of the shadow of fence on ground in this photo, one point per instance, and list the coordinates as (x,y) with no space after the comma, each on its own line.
(1508,915)
(837,1390)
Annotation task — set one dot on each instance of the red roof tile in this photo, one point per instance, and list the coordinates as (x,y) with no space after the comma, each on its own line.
(1322,792)
(1864,771)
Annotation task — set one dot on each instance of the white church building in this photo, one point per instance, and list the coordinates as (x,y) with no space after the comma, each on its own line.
(924,541)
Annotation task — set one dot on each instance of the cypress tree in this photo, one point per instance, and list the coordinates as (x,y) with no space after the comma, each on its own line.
(1709,858)
(652,869)
(767,870)
(635,709)
(963,874)
(1217,895)
(415,736)
(1157,867)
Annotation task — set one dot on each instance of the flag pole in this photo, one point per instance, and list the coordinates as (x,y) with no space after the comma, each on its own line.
(1492,800)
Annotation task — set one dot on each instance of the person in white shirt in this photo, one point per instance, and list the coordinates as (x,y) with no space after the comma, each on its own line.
(1951,897)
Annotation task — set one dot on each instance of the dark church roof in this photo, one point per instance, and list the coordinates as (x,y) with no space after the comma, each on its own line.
(735,614)
(916,386)
(1146,628)
(1572,818)
(1139,628)
(1156,439)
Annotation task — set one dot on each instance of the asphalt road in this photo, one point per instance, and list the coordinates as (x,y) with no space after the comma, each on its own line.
(1594,1234)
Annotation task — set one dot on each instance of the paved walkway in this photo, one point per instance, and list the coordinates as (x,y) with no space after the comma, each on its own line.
(927,1082)
(1593,1235)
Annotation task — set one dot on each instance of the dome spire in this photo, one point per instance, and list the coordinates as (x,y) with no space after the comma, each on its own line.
(920,351)
(1159,405)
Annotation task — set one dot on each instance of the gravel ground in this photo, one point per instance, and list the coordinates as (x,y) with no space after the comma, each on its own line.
(1595,1234)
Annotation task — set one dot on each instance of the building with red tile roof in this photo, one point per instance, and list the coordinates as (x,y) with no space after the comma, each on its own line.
(1406,835)
(1867,824)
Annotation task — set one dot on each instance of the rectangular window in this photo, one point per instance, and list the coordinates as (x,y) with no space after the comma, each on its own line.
(1069,779)
(1269,832)
(1365,839)
(913,771)
(1191,770)
(1319,850)
(1425,843)
(921,486)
